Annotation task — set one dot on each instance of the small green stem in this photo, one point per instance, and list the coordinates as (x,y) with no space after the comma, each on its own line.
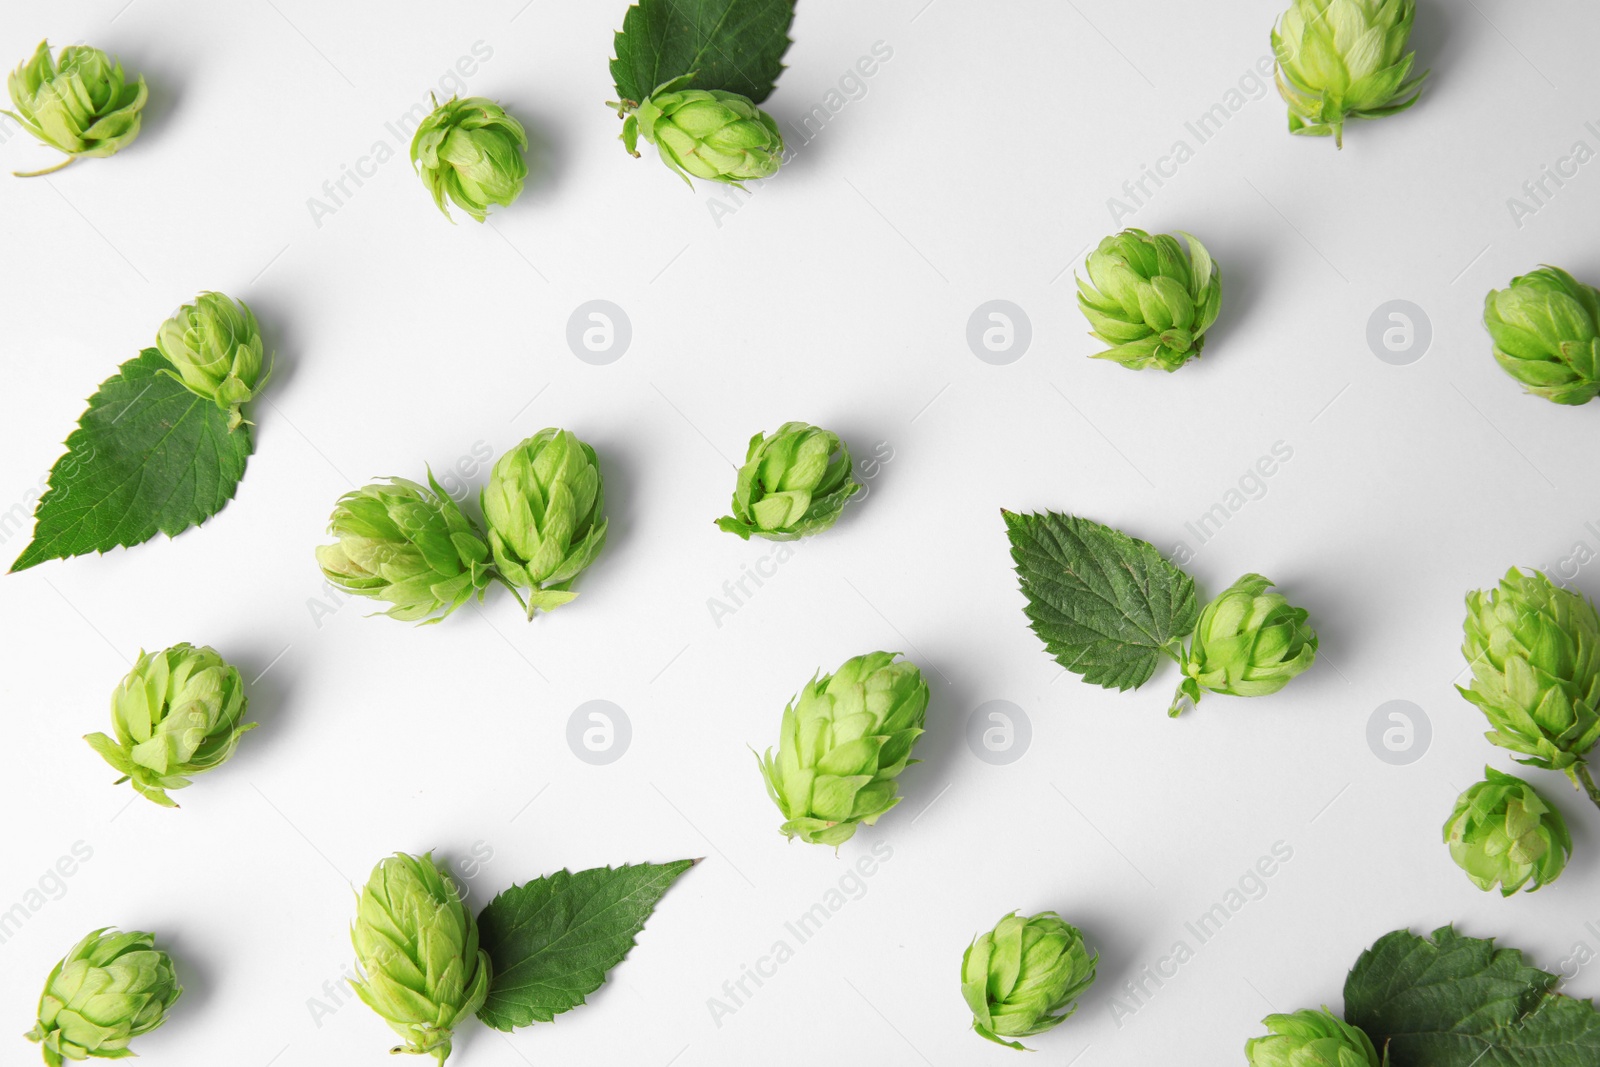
(1588,783)
(48,170)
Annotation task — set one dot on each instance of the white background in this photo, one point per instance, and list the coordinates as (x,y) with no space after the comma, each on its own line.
(977,166)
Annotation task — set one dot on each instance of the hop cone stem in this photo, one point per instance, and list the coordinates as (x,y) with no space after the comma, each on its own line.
(1586,780)
(48,170)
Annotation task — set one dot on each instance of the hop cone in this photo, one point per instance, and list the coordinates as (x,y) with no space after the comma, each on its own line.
(178,712)
(1151,301)
(214,346)
(417,947)
(1249,643)
(1310,1039)
(1022,977)
(80,104)
(1502,831)
(545,508)
(792,484)
(1535,665)
(844,741)
(407,546)
(706,133)
(109,989)
(1345,59)
(470,152)
(1546,331)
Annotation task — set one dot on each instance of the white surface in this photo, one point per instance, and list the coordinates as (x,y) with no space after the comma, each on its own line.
(977,166)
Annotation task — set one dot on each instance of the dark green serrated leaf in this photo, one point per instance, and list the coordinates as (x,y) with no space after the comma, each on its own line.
(735,45)
(147,456)
(552,940)
(1454,1001)
(1105,605)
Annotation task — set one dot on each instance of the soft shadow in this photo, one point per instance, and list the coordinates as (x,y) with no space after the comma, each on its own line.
(1430,35)
(869,468)
(1244,272)
(942,749)
(164,86)
(620,470)
(1117,938)
(267,687)
(194,968)
(276,319)
(546,156)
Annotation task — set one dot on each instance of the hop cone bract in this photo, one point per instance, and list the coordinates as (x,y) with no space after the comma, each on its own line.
(793,483)
(470,152)
(1546,331)
(843,742)
(1248,643)
(1345,59)
(109,989)
(417,947)
(408,546)
(545,507)
(180,711)
(80,103)
(1022,977)
(707,133)
(1534,650)
(214,346)
(1310,1038)
(1503,832)
(1148,299)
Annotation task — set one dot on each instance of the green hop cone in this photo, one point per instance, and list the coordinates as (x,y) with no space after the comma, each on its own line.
(1022,977)
(470,152)
(80,103)
(417,948)
(1502,832)
(180,711)
(704,133)
(1534,650)
(1148,299)
(1310,1038)
(214,346)
(109,989)
(545,507)
(844,741)
(1546,331)
(407,546)
(793,483)
(1345,59)
(1248,643)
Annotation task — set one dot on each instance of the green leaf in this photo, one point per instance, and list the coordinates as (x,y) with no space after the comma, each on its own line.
(552,940)
(147,455)
(1454,1001)
(1106,605)
(735,45)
